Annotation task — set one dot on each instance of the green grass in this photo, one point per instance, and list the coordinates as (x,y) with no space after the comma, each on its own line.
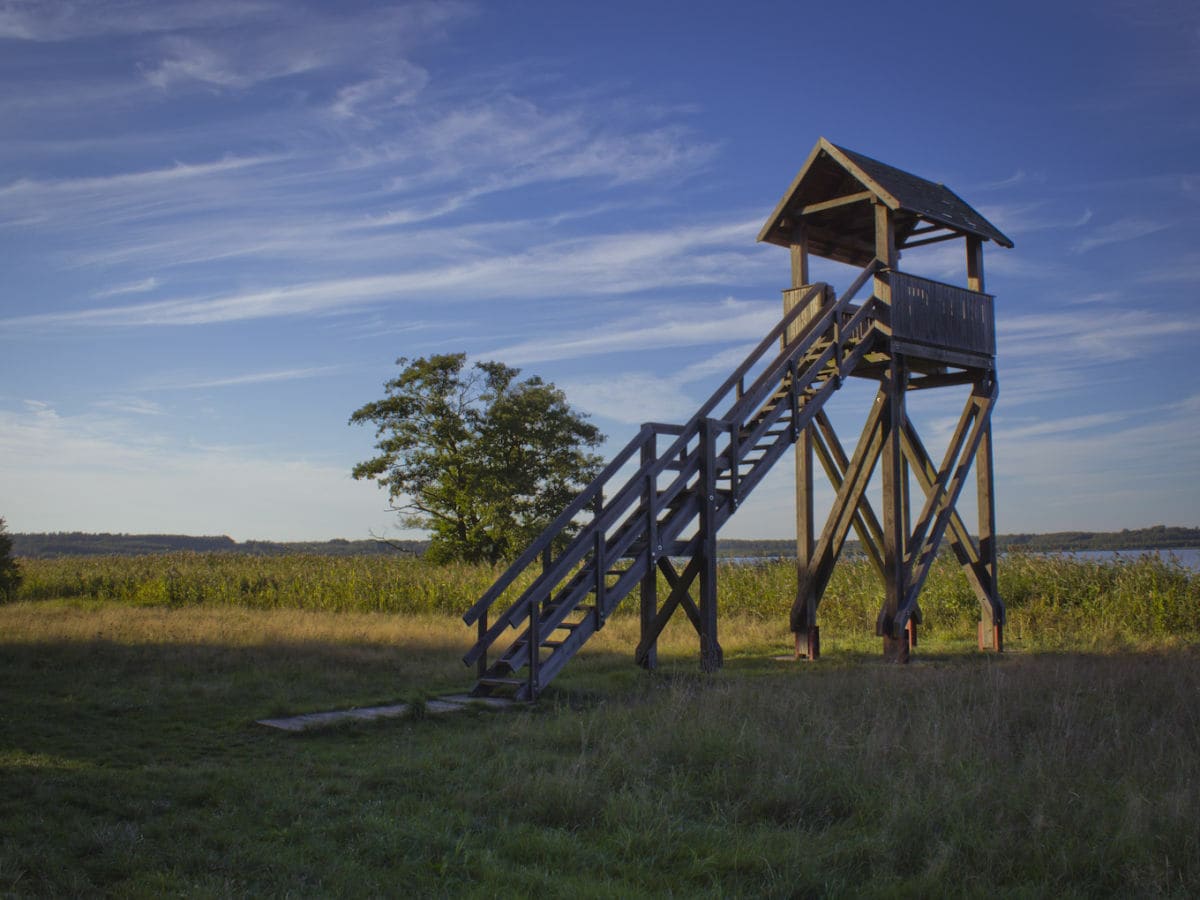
(131,765)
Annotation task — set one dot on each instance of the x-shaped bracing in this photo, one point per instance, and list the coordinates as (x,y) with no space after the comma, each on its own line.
(941,486)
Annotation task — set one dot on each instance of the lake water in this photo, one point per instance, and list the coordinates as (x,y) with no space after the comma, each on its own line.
(1189,557)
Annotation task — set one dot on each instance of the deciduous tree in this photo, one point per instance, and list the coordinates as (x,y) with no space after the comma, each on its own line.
(10,572)
(480,459)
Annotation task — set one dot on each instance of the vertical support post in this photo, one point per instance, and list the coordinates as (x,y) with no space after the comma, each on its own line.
(975,264)
(895,643)
(804,610)
(885,250)
(991,626)
(804,625)
(649,586)
(799,249)
(711,656)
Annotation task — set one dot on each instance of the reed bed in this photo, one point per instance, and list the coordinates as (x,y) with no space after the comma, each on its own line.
(1055,599)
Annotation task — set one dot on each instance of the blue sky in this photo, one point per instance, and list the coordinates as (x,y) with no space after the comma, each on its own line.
(221,222)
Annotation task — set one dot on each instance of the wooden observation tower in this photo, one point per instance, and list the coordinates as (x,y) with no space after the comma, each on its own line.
(853,209)
(659,504)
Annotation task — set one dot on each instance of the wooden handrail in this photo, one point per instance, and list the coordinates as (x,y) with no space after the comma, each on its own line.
(654,464)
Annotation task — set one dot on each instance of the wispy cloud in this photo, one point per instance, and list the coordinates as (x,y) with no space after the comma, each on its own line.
(133,287)
(683,325)
(61,20)
(1097,339)
(1119,232)
(167,384)
(605,265)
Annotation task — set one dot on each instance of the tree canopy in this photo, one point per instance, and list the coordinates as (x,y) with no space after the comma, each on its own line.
(480,459)
(10,572)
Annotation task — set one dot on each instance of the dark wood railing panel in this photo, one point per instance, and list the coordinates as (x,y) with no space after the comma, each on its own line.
(942,315)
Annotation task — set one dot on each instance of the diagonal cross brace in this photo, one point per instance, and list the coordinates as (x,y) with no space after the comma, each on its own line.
(944,492)
(856,477)
(959,537)
(680,584)
(834,461)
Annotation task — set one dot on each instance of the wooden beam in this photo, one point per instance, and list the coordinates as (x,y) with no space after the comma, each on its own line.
(960,539)
(836,202)
(805,538)
(648,600)
(975,263)
(937,239)
(942,379)
(711,656)
(856,477)
(981,401)
(835,462)
(992,613)
(885,236)
(799,251)
(679,592)
(885,251)
(895,642)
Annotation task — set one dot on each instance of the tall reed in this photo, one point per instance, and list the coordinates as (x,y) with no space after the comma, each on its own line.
(1149,596)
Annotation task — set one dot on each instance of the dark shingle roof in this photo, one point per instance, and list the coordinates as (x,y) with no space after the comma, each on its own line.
(846,233)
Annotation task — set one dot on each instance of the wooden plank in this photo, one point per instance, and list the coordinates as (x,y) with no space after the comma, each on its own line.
(936,239)
(835,203)
(942,379)
(976,361)
(929,312)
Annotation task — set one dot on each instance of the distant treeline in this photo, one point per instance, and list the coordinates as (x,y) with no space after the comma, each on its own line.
(76,543)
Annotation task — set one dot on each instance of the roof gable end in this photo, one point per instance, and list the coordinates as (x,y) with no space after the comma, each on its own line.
(832,195)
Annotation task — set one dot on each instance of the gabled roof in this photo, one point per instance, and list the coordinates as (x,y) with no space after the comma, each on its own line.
(833,194)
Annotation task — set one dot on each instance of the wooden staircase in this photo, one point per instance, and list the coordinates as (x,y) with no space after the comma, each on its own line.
(664,497)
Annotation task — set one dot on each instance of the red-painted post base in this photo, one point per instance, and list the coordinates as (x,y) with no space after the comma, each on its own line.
(808,643)
(991,638)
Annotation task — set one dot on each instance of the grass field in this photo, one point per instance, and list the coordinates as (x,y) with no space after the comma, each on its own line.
(1067,767)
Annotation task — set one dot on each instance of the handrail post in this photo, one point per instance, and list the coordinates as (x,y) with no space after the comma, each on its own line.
(535,645)
(481,664)
(598,561)
(649,587)
(735,460)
